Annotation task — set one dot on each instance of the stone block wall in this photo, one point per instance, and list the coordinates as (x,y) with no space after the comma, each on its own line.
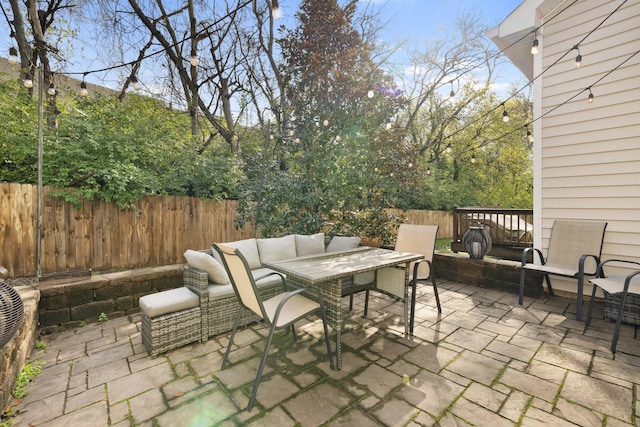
(114,294)
(486,273)
(15,353)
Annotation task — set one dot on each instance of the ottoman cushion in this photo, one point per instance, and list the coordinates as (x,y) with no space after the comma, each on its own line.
(169,301)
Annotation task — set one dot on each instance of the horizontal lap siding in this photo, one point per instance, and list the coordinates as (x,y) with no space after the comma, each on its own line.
(590,167)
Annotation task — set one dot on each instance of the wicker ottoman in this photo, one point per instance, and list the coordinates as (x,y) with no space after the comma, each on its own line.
(170,319)
(631,312)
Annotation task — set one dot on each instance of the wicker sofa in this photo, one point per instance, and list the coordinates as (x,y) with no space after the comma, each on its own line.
(218,302)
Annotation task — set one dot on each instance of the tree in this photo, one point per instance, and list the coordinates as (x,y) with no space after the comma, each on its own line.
(47,40)
(331,146)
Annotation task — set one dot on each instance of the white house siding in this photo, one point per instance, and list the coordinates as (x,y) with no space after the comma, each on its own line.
(589,162)
(586,156)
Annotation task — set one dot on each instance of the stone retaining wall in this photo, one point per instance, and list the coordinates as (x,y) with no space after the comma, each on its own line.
(114,294)
(487,273)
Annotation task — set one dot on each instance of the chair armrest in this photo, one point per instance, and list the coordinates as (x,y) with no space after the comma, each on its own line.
(600,270)
(417,264)
(282,277)
(197,281)
(581,262)
(525,254)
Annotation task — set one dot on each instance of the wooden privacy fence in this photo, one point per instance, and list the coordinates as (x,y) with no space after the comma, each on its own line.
(100,236)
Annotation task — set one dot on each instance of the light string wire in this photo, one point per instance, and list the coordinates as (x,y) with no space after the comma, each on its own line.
(571,98)
(149,55)
(540,74)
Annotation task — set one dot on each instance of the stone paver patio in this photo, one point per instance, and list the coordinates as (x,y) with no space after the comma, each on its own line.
(484,361)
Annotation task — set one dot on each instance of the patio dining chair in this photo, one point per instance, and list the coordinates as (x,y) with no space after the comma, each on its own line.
(617,289)
(278,312)
(418,239)
(574,251)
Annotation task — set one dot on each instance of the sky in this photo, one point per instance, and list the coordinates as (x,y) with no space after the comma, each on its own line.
(415,22)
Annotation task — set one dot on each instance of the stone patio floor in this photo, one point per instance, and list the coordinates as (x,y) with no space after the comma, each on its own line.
(484,361)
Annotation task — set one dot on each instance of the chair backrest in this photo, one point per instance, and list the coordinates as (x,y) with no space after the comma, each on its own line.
(572,239)
(241,278)
(418,239)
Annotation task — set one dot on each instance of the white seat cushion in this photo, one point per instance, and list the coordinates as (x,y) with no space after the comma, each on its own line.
(170,301)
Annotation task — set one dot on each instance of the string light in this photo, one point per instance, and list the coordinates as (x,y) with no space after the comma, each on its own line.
(428,170)
(578,57)
(452,94)
(590,95)
(529,135)
(194,58)
(83,86)
(135,82)
(473,157)
(275,10)
(534,45)
(28,81)
(52,89)
(505,115)
(13,55)
(448,148)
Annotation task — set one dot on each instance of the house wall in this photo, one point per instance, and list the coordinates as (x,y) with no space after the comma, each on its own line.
(587,156)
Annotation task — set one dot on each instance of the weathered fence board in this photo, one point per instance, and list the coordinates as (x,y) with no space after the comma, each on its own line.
(100,236)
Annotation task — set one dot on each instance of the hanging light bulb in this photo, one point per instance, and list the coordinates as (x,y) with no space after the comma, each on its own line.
(135,82)
(529,135)
(473,158)
(505,115)
(83,88)
(370,93)
(590,96)
(13,55)
(452,94)
(428,170)
(448,149)
(194,58)
(535,44)
(578,57)
(275,10)
(52,89)
(325,122)
(28,81)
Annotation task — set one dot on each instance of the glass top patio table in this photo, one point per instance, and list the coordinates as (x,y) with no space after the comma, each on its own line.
(325,273)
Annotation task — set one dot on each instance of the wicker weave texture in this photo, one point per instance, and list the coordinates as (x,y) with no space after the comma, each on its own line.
(631,312)
(220,314)
(169,331)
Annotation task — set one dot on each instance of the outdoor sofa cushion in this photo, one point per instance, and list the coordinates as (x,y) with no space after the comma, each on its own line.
(276,248)
(309,245)
(216,291)
(205,262)
(170,301)
(342,243)
(248,248)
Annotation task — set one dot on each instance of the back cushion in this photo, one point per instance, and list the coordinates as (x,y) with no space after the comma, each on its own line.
(247,248)
(205,262)
(277,248)
(309,245)
(341,243)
